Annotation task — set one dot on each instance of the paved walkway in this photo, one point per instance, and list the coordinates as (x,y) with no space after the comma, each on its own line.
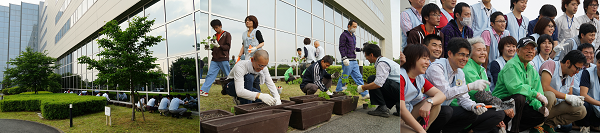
(357,121)
(21,126)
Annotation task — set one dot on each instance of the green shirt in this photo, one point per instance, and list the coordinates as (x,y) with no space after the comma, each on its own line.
(473,72)
(515,79)
(288,72)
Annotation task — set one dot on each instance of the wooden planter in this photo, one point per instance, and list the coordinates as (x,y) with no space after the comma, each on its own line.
(207,114)
(344,104)
(306,98)
(266,121)
(309,114)
(337,94)
(247,108)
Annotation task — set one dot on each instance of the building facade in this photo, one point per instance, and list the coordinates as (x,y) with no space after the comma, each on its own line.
(69,29)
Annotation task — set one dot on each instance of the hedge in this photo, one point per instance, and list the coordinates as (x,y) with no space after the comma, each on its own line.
(367,71)
(13,90)
(39,92)
(53,106)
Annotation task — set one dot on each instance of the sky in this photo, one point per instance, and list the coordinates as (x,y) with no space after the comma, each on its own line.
(531,12)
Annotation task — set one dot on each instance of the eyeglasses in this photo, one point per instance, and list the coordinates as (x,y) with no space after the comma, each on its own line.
(578,68)
(501,21)
(594,5)
(550,26)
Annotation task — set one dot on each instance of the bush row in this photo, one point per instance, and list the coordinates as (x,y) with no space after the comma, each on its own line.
(53,106)
(367,71)
(13,90)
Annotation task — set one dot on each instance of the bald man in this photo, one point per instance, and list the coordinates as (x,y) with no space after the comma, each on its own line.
(319,50)
(245,79)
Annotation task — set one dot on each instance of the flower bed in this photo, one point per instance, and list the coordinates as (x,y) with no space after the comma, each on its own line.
(53,106)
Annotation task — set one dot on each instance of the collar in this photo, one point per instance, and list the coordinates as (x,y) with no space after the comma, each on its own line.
(483,6)
(473,64)
(560,73)
(495,33)
(449,70)
(415,11)
(521,65)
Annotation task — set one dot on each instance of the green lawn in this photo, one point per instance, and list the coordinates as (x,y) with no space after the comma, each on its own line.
(121,122)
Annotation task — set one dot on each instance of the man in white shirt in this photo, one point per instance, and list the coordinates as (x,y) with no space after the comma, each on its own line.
(590,7)
(174,107)
(566,25)
(245,79)
(98,94)
(141,104)
(309,52)
(164,103)
(106,95)
(319,50)
(481,13)
(150,106)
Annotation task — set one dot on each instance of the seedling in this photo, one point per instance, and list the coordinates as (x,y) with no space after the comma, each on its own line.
(323,94)
(296,59)
(205,42)
(232,110)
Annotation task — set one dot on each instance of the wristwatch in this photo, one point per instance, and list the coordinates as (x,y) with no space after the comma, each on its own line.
(430,101)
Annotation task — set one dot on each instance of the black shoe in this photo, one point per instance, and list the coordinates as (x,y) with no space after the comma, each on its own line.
(381,110)
(397,113)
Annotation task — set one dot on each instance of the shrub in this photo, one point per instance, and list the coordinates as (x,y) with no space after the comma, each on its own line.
(53,106)
(14,90)
(367,71)
(280,71)
(39,92)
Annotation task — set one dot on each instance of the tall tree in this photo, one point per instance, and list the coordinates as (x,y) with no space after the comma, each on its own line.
(126,60)
(31,70)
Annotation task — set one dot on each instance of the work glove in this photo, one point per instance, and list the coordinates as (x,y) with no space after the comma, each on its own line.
(478,110)
(278,101)
(252,50)
(478,85)
(544,111)
(268,99)
(335,75)
(542,98)
(560,46)
(359,89)
(346,62)
(575,101)
(214,43)
(329,93)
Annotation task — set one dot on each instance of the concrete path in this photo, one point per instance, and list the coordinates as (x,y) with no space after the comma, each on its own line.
(21,126)
(357,121)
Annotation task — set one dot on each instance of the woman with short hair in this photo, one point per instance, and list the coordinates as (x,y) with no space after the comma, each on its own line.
(252,38)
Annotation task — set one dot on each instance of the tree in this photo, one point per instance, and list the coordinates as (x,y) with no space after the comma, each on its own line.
(31,70)
(183,73)
(126,60)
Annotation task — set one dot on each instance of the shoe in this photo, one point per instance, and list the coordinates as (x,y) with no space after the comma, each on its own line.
(584,130)
(536,130)
(366,96)
(381,110)
(397,113)
(548,128)
(202,93)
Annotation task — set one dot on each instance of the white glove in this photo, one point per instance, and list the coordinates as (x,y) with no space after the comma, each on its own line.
(346,62)
(478,110)
(360,62)
(546,112)
(479,85)
(268,99)
(560,46)
(278,101)
(542,98)
(215,44)
(574,100)
(329,93)
(253,50)
(359,89)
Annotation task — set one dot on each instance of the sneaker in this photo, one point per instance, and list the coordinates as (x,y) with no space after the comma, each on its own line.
(202,93)
(584,130)
(536,130)
(381,110)
(548,128)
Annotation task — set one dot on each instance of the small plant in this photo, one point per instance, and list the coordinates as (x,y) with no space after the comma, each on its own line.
(296,59)
(296,81)
(323,94)
(369,103)
(372,42)
(206,42)
(232,110)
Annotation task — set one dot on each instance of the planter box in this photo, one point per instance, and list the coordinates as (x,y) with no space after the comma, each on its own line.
(337,94)
(344,104)
(213,114)
(267,121)
(247,108)
(306,98)
(309,114)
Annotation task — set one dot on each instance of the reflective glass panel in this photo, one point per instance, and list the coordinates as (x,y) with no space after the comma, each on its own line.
(264,10)
(230,8)
(285,17)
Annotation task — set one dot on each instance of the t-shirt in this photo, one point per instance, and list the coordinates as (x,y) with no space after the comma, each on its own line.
(520,21)
(585,79)
(426,86)
(444,21)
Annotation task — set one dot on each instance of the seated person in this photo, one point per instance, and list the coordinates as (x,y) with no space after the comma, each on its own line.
(99,94)
(141,104)
(245,79)
(316,78)
(151,105)
(164,103)
(507,47)
(289,75)
(191,101)
(106,95)
(589,88)
(174,107)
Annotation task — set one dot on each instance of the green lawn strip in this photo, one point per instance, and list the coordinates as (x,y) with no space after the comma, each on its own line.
(121,122)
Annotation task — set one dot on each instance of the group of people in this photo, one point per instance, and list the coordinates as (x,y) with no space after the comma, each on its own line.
(535,75)
(169,105)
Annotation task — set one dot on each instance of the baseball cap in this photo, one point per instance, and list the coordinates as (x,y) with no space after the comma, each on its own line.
(526,40)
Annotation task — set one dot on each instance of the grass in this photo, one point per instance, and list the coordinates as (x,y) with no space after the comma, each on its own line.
(121,122)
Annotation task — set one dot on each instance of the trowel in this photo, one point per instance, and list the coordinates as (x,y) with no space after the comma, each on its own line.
(509,104)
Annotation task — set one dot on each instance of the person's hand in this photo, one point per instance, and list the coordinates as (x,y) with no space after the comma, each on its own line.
(329,93)
(402,58)
(268,99)
(478,110)
(359,89)
(501,124)
(510,113)
(346,62)
(206,47)
(479,85)
(542,98)
(253,49)
(424,110)
(544,111)
(214,43)
(575,101)
(278,101)
(560,46)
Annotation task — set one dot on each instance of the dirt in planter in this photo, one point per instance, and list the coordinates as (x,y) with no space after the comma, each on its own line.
(260,106)
(210,116)
(308,97)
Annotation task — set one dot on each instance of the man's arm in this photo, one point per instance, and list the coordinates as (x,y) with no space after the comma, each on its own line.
(270,84)
(406,25)
(434,75)
(546,80)
(238,73)
(317,77)
(343,45)
(516,85)
(227,45)
(382,72)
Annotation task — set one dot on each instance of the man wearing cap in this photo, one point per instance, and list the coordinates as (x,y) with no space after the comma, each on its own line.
(520,81)
(557,81)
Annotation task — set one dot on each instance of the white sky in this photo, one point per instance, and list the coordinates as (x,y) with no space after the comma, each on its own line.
(18,2)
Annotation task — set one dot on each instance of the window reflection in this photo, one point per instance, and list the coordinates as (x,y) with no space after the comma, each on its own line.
(318,28)
(285,17)
(304,24)
(264,10)
(304,4)
(201,4)
(156,11)
(236,29)
(176,9)
(230,8)
(158,50)
(180,37)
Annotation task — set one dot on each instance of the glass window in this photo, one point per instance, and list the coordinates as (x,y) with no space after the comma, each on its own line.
(318,28)
(178,8)
(304,23)
(338,19)
(180,37)
(304,4)
(293,2)
(264,10)
(317,8)
(237,29)
(156,11)
(269,37)
(124,25)
(285,17)
(330,49)
(203,29)
(328,12)
(159,50)
(330,33)
(230,8)
(285,48)
(201,4)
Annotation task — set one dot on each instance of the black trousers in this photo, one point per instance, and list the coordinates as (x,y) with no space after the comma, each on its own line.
(525,116)
(388,94)
(454,122)
(590,119)
(486,122)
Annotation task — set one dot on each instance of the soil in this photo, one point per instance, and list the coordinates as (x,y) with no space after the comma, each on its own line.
(210,116)
(260,106)
(309,97)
